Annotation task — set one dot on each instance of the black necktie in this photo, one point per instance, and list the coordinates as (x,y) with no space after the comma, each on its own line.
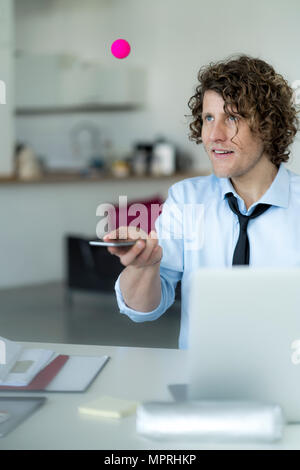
(241,253)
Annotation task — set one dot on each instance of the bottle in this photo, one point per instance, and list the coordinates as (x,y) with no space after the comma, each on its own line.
(28,166)
(142,158)
(164,158)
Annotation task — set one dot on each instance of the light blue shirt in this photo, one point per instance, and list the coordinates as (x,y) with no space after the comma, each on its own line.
(274,236)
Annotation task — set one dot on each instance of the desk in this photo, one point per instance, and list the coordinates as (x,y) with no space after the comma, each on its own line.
(131,373)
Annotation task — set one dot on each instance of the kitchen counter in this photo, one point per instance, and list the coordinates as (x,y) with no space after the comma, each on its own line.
(54,178)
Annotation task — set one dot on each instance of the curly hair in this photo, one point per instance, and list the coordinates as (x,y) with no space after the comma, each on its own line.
(252,89)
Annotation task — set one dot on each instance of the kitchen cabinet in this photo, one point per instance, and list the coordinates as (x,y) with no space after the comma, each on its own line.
(63,82)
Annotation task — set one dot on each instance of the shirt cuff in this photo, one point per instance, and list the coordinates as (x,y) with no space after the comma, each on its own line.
(134,314)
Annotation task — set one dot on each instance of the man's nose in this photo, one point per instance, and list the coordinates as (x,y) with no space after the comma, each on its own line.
(218,132)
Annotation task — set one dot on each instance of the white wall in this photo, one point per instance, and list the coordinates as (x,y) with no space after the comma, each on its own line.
(171,39)
(6,75)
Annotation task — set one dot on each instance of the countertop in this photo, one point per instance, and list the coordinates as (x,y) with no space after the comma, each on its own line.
(54,178)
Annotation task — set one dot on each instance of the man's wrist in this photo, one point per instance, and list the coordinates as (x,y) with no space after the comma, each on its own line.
(152,264)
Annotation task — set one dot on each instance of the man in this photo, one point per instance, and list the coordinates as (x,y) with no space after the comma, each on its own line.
(244,115)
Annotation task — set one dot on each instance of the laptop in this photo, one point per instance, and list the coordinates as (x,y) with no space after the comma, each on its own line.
(244,336)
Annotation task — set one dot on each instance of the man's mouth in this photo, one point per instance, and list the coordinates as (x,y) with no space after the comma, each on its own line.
(222,153)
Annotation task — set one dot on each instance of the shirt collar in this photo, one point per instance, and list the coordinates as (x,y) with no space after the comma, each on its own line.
(276,195)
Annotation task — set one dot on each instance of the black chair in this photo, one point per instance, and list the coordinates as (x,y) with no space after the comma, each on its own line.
(91,268)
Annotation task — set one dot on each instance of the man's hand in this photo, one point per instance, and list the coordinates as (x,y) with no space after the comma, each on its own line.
(145,252)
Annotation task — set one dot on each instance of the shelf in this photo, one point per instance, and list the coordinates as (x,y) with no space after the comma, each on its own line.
(72,178)
(86,108)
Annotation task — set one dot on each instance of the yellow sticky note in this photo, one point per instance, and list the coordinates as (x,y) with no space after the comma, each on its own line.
(109,407)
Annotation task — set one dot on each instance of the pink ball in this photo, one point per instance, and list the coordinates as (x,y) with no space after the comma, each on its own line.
(120,48)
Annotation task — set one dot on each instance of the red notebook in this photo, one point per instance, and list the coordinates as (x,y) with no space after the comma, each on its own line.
(44,377)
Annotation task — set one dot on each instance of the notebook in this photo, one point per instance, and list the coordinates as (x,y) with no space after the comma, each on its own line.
(23,369)
(43,378)
(9,353)
(27,366)
(65,374)
(77,374)
(18,365)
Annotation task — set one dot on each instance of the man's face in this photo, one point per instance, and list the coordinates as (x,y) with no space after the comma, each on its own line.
(217,131)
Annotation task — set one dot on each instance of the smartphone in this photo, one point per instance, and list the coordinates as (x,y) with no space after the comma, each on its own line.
(117,242)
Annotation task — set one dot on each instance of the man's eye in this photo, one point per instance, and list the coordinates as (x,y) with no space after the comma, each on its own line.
(207,118)
(233,118)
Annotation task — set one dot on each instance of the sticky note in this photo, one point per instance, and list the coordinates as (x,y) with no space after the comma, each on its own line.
(109,407)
